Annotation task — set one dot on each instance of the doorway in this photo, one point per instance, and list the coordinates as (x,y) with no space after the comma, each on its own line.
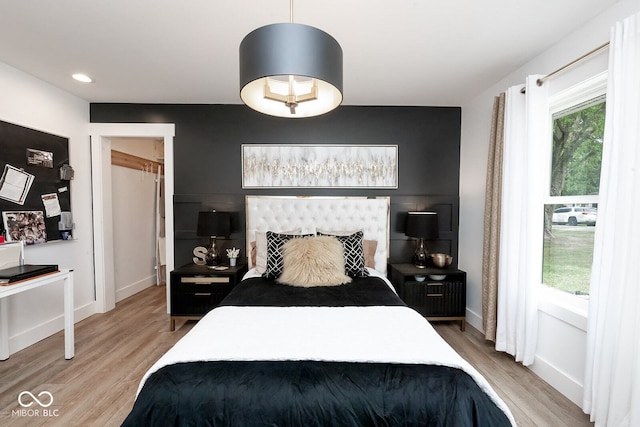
(101,135)
(137,184)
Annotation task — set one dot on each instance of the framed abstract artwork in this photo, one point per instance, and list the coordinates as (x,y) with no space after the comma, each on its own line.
(319,166)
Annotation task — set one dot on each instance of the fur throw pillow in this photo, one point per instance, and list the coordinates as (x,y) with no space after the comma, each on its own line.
(313,261)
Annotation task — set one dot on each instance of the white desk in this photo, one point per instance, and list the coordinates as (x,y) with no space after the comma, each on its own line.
(25,285)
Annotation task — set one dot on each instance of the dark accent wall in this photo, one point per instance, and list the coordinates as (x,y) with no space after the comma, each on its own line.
(207,155)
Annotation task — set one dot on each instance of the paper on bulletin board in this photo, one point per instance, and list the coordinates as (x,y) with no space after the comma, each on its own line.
(15,184)
(51,204)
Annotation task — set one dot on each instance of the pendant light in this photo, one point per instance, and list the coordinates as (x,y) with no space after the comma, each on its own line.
(290,70)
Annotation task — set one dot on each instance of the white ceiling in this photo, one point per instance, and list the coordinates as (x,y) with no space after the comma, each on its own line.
(402,52)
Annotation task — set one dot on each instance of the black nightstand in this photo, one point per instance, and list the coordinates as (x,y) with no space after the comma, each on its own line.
(443,299)
(196,289)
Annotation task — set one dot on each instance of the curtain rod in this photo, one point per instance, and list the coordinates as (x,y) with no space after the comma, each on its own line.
(543,79)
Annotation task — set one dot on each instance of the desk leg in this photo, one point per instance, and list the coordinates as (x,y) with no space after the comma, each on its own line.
(69,347)
(4,330)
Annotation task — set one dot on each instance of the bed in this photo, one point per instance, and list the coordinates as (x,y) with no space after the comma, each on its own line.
(315,340)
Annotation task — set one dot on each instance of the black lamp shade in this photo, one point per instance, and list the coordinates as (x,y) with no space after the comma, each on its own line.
(422,225)
(214,224)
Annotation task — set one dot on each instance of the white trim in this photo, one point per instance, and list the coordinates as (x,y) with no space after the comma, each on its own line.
(565,384)
(569,308)
(51,326)
(102,223)
(100,134)
(578,93)
(581,92)
(558,379)
(561,305)
(135,287)
(474,319)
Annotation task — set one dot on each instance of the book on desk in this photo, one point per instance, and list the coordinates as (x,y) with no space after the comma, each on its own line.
(17,273)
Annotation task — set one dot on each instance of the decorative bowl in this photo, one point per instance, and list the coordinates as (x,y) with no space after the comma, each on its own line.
(441,260)
(437,276)
(419,278)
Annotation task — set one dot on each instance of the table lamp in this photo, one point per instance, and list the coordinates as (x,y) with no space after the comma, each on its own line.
(213,224)
(421,225)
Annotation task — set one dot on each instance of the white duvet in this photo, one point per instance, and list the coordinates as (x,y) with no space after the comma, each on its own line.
(350,334)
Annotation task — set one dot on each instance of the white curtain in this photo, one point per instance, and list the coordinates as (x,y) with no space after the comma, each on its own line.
(612,378)
(521,223)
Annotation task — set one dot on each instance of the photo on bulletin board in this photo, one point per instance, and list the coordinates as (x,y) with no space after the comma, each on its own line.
(25,225)
(40,158)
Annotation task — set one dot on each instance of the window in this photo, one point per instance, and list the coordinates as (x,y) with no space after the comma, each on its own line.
(571,205)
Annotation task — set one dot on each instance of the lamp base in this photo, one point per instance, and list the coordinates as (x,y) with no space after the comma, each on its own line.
(212,257)
(421,255)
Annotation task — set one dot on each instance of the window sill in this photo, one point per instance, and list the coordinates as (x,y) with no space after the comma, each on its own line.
(563,306)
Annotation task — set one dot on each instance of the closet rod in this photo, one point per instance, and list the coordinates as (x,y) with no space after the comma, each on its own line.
(543,79)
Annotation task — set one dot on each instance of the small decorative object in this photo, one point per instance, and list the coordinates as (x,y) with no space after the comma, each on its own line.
(437,276)
(441,260)
(200,255)
(422,225)
(66,173)
(65,225)
(419,277)
(213,224)
(233,256)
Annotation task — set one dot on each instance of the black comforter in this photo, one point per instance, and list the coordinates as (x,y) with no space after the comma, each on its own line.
(361,292)
(311,393)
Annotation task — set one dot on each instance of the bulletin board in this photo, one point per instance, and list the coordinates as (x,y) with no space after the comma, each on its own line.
(34,197)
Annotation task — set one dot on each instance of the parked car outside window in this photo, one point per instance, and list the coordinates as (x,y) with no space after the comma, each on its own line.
(574,215)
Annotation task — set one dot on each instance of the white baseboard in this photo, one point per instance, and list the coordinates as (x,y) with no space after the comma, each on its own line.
(44,330)
(474,319)
(133,288)
(566,385)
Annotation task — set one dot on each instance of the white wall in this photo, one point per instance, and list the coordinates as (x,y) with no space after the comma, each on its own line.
(29,102)
(134,219)
(560,353)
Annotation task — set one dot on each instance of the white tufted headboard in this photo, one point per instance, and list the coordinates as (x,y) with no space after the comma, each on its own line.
(281,213)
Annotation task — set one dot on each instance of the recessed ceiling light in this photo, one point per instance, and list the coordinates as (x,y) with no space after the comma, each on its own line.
(82,78)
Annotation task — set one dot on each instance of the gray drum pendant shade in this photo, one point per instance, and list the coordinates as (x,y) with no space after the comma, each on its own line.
(290,70)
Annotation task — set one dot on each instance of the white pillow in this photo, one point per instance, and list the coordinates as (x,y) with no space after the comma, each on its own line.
(261,248)
(338,232)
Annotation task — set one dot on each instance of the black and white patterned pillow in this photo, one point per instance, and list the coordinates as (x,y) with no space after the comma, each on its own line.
(275,241)
(354,264)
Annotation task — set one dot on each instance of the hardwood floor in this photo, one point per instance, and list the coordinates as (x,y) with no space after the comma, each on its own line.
(113,350)
(98,386)
(532,401)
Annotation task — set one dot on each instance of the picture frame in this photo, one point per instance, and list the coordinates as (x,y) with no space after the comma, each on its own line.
(319,166)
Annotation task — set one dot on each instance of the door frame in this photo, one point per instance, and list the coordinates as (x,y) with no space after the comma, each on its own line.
(100,139)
